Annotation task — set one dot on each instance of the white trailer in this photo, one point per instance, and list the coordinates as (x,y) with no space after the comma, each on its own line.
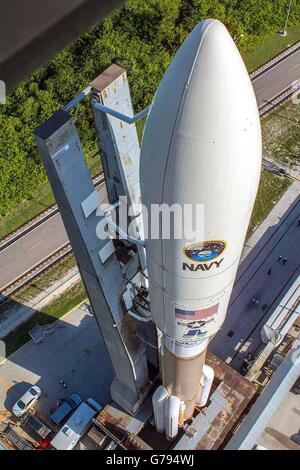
(283,317)
(76,426)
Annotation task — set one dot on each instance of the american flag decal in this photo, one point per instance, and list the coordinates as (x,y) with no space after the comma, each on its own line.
(196,314)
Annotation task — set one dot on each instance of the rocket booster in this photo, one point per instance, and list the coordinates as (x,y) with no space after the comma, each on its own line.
(201,145)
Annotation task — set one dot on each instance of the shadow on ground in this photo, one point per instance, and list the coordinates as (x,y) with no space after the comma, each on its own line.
(282,438)
(74,354)
(253,282)
(14,393)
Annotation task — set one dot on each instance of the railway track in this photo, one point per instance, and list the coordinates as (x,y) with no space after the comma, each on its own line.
(39,219)
(66,250)
(275,61)
(279,99)
(47,263)
(40,268)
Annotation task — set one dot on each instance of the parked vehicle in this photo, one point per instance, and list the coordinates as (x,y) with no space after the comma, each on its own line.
(247,363)
(11,436)
(65,409)
(296,438)
(27,401)
(37,425)
(111,446)
(296,387)
(76,426)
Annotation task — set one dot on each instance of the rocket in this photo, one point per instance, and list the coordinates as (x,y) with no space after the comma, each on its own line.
(201,145)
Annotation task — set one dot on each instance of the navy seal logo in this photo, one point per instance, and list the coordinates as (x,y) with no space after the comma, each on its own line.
(204,251)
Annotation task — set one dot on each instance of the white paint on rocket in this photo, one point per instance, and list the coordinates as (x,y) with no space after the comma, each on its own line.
(201,145)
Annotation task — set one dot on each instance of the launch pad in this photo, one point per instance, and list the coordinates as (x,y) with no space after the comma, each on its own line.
(209,429)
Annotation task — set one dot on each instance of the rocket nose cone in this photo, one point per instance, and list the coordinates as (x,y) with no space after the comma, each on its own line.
(201,146)
(210,32)
(218,86)
(205,94)
(206,72)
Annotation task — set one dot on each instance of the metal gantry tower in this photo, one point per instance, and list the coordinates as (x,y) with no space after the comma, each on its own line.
(113,271)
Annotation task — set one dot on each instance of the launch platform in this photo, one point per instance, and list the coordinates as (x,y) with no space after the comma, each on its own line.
(159,296)
(210,428)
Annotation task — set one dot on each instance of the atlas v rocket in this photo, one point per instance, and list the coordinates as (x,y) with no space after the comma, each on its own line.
(201,144)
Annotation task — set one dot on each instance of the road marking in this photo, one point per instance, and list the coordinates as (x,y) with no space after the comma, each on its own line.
(276,65)
(294,67)
(37,244)
(2,288)
(28,233)
(293,177)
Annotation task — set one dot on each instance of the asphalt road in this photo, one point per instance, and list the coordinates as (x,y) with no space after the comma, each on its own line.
(278,235)
(38,244)
(21,256)
(277,79)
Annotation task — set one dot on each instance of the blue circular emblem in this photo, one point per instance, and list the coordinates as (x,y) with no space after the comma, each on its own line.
(204,251)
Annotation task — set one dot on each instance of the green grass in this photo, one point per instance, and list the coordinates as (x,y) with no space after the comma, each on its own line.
(41,199)
(50,313)
(281,133)
(45,280)
(140,128)
(281,137)
(270,190)
(40,284)
(270,47)
(281,140)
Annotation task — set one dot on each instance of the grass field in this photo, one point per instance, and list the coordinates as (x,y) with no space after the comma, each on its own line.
(48,314)
(271,188)
(40,284)
(281,133)
(281,141)
(46,280)
(40,200)
(51,312)
(270,47)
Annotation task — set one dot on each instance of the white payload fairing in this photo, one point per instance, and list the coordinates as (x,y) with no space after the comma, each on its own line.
(201,145)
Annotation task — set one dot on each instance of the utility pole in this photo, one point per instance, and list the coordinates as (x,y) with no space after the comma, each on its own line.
(287,19)
(237,37)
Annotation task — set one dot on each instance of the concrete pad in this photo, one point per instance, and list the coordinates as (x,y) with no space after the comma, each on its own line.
(278,235)
(284,423)
(75,353)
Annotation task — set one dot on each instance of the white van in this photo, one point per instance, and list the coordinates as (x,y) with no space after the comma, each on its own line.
(76,426)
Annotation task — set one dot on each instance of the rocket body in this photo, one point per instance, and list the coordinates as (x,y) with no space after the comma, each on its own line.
(201,145)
